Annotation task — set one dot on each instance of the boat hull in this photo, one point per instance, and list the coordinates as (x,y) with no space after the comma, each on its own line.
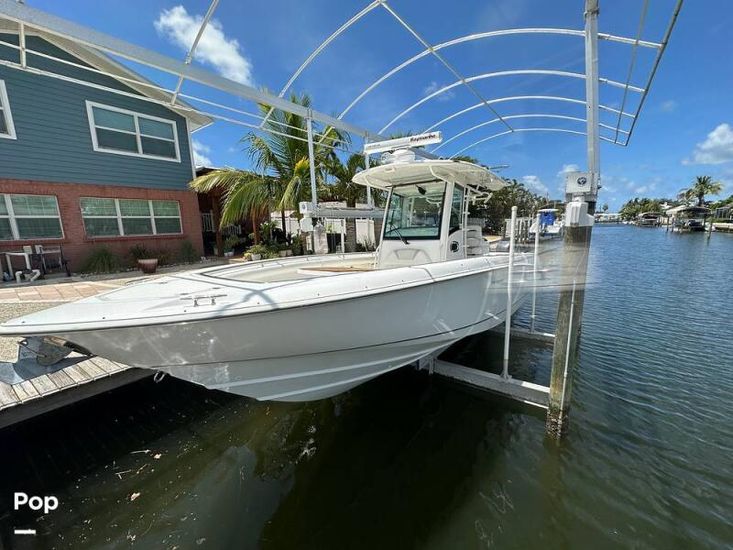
(314,351)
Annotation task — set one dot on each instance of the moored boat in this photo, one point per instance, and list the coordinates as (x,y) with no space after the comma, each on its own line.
(309,327)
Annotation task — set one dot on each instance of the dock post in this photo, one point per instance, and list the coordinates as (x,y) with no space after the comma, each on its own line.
(534,272)
(509,275)
(576,246)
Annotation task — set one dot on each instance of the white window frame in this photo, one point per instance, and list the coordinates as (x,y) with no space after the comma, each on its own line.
(119,217)
(12,218)
(93,130)
(6,113)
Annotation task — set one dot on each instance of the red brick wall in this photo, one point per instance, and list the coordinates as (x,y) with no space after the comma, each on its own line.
(77,245)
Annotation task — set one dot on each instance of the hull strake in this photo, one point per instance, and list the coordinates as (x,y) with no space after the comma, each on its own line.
(314,351)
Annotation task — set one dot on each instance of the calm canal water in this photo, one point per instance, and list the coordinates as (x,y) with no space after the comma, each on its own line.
(409,461)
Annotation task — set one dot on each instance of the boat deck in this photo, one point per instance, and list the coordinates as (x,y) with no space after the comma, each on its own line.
(296,268)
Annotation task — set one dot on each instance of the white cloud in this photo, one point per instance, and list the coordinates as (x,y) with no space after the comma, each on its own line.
(668,106)
(214,48)
(566,168)
(200,153)
(434,87)
(716,149)
(534,184)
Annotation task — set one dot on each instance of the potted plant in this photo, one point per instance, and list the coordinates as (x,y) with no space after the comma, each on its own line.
(257,252)
(145,260)
(229,243)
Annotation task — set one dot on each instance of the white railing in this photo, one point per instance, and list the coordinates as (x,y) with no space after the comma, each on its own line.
(207,224)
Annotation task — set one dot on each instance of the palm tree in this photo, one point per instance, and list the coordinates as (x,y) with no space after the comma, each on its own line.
(282,152)
(280,157)
(242,194)
(704,185)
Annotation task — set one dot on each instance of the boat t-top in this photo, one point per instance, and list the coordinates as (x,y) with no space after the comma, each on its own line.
(308,327)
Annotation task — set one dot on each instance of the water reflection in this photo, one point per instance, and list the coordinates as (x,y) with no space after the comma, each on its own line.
(411,461)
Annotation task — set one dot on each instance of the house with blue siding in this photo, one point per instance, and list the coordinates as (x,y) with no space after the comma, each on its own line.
(90,155)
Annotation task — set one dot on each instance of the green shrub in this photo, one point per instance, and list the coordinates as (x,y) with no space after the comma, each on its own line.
(101,260)
(230,242)
(139,252)
(187,253)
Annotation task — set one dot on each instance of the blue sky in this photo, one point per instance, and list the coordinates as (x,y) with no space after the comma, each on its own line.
(685,129)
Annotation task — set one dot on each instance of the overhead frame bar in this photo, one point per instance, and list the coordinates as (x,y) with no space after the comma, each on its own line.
(489,34)
(521,116)
(189,56)
(523,97)
(549,129)
(320,48)
(550,72)
(655,66)
(21,13)
(461,79)
(632,64)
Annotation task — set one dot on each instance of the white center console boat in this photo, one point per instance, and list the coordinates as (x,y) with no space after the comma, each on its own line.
(309,327)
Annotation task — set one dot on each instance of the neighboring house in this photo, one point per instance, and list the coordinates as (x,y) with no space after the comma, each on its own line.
(82,166)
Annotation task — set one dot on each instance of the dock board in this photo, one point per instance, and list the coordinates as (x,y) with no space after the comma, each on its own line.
(47,391)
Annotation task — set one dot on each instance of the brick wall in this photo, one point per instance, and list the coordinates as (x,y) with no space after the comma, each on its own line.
(77,245)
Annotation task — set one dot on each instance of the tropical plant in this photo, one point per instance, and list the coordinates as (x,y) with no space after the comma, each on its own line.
(100,260)
(499,205)
(281,160)
(282,152)
(703,185)
(188,253)
(244,194)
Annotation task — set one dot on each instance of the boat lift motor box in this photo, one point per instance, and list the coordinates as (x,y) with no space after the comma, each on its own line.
(576,214)
(582,184)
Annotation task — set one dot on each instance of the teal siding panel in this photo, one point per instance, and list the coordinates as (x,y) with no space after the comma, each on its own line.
(53,138)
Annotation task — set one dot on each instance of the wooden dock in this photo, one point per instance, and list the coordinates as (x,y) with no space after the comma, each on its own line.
(42,389)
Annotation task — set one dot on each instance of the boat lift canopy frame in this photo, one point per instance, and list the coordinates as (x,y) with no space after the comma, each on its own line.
(33,20)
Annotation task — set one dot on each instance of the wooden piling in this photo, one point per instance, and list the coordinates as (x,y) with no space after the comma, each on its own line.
(567,331)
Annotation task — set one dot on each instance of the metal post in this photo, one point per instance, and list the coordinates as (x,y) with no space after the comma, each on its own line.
(370,203)
(194,45)
(510,270)
(534,273)
(343,237)
(312,165)
(576,246)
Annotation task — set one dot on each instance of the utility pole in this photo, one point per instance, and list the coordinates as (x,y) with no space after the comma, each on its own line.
(581,192)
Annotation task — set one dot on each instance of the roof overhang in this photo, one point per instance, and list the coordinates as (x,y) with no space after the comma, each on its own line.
(106,64)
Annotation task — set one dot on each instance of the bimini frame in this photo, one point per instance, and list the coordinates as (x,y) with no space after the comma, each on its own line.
(33,20)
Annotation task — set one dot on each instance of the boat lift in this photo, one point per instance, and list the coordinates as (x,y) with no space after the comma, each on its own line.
(581,200)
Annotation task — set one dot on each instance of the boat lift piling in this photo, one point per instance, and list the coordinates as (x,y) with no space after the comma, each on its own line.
(535,263)
(509,276)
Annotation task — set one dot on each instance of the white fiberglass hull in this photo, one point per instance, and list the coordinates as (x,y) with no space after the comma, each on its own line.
(318,349)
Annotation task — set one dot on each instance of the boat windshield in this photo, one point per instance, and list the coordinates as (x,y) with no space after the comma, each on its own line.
(415,211)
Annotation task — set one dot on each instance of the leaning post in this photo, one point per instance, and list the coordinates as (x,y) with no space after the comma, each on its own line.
(580,192)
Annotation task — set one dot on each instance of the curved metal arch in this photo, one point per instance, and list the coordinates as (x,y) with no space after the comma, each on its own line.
(563,130)
(480,36)
(551,72)
(519,98)
(527,115)
(320,48)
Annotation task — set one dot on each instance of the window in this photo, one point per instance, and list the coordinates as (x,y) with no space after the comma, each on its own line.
(128,133)
(121,217)
(7,129)
(415,211)
(29,217)
(456,209)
